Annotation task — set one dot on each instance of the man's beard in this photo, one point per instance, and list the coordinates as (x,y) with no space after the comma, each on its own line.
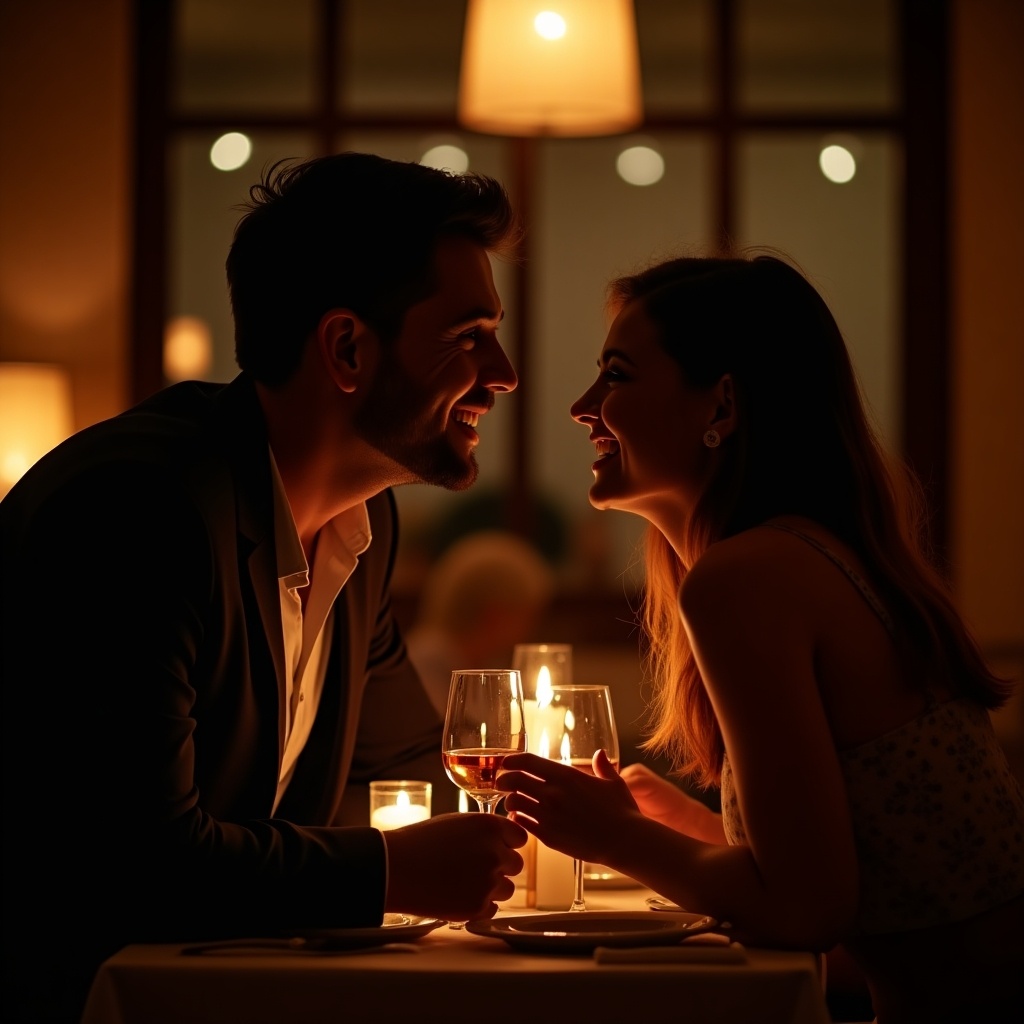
(395,420)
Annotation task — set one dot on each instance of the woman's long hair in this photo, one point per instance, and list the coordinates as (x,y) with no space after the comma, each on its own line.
(803,446)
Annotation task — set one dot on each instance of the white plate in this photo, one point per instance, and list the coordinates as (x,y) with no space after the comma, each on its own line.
(583,931)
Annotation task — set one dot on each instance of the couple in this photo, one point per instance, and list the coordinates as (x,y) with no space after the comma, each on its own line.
(203,672)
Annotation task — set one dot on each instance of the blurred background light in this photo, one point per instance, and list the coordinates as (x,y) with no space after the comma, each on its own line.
(446,156)
(837,163)
(188,348)
(231,151)
(550,25)
(640,165)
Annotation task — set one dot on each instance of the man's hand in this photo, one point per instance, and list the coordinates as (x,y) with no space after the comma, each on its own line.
(457,867)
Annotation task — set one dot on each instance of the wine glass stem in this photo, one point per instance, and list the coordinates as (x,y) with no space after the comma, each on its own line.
(487,807)
(577,895)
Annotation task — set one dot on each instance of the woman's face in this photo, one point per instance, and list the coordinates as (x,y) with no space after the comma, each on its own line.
(647,425)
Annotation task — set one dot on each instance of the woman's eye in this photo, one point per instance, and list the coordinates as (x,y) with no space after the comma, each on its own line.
(612,373)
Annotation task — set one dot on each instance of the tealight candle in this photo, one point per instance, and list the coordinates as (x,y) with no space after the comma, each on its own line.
(398,802)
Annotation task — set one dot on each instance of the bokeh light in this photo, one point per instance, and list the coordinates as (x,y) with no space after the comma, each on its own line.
(446,157)
(837,163)
(640,165)
(231,151)
(188,348)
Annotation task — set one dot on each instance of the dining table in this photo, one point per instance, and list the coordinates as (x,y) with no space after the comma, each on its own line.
(448,974)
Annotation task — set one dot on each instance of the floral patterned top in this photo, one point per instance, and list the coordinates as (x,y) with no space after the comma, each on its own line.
(938,817)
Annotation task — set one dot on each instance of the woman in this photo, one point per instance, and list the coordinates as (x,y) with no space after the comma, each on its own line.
(808,658)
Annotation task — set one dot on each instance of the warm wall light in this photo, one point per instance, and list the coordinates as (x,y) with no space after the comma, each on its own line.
(188,348)
(550,67)
(35,416)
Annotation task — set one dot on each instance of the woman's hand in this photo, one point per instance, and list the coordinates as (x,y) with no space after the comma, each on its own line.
(662,800)
(567,809)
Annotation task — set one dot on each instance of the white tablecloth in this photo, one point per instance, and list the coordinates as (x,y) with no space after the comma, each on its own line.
(453,976)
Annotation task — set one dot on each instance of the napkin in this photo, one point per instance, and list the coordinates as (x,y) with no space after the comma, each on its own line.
(708,948)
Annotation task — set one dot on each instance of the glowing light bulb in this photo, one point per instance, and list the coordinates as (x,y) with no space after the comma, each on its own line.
(549,25)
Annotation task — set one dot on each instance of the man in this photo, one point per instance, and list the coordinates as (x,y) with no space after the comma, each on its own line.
(201,668)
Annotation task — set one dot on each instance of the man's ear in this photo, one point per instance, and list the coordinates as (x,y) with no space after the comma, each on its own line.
(344,342)
(724,417)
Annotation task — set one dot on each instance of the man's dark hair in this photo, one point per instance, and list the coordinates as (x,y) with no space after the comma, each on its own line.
(350,230)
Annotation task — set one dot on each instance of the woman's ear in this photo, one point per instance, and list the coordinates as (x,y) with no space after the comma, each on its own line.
(343,341)
(724,418)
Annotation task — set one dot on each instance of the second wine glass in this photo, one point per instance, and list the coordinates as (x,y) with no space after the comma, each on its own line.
(586,724)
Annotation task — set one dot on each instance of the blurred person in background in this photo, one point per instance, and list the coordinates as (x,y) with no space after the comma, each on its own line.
(484,594)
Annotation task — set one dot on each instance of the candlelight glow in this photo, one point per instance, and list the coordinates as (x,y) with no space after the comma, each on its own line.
(544,691)
(402,800)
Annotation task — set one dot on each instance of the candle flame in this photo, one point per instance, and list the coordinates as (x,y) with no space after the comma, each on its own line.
(570,720)
(544,691)
(544,744)
(402,800)
(566,749)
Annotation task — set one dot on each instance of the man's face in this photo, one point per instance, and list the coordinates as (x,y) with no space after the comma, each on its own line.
(440,374)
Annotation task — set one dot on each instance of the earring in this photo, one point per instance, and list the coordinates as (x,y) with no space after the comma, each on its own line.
(712,438)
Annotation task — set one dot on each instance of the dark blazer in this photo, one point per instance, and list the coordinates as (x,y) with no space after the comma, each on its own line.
(144,692)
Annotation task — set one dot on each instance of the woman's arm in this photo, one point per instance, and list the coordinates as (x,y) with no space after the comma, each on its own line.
(794,882)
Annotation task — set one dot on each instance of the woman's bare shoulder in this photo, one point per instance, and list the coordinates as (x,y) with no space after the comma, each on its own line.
(744,570)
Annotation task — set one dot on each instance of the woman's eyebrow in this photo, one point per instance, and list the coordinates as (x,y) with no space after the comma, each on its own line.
(614,353)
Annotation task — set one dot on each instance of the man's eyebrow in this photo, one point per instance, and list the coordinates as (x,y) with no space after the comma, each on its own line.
(474,316)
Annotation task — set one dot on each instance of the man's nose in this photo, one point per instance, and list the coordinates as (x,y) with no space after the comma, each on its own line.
(497,373)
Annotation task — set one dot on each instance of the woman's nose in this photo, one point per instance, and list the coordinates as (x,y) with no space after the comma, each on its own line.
(584,409)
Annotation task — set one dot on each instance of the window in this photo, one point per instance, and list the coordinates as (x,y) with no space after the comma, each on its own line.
(741,97)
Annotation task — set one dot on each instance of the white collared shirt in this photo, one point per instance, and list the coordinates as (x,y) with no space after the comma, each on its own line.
(306,633)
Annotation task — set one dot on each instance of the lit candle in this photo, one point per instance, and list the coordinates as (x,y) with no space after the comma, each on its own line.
(402,812)
(553,874)
(553,879)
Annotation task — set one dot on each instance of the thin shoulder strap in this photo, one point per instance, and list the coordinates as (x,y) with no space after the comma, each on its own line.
(855,578)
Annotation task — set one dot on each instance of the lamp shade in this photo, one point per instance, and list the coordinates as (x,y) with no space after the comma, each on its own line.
(35,416)
(550,67)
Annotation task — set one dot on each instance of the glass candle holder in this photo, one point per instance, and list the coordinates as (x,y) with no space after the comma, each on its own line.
(398,802)
(546,881)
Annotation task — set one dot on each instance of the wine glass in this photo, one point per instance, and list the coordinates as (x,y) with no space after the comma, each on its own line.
(484,722)
(586,724)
